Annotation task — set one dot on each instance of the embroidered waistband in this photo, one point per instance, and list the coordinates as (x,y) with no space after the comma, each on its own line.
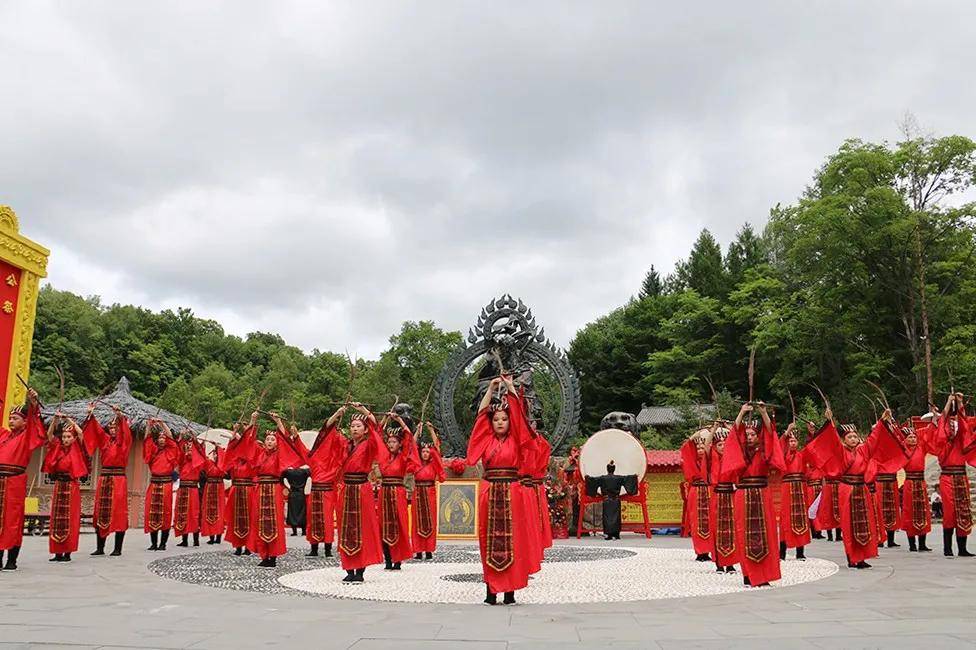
(322,487)
(752,482)
(501,475)
(354,478)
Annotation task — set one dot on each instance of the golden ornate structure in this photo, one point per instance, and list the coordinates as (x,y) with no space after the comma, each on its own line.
(23,263)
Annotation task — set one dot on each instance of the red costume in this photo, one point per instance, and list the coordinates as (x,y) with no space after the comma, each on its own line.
(503,524)
(237,462)
(186,514)
(424,519)
(268,497)
(721,513)
(828,513)
(539,480)
(916,511)
(320,504)
(953,438)
(359,529)
(528,459)
(755,518)
(698,505)
(212,505)
(65,465)
(111,512)
(814,487)
(394,514)
(15,453)
(794,523)
(162,461)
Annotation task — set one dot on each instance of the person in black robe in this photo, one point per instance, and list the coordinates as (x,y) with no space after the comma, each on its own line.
(609,486)
(296,499)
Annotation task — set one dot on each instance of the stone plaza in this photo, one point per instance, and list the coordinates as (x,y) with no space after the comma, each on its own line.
(208,599)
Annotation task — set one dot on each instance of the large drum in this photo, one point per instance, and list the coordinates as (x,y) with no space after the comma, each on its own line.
(622,448)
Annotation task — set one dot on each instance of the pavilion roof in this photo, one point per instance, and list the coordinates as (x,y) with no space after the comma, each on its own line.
(137,411)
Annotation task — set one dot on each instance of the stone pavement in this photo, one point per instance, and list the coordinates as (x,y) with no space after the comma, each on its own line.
(906,601)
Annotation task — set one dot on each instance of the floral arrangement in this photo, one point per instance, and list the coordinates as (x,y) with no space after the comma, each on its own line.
(457,466)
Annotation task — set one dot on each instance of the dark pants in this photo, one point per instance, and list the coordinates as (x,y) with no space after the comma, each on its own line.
(611,517)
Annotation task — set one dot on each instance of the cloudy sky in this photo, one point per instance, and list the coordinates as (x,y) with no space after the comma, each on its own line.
(328,170)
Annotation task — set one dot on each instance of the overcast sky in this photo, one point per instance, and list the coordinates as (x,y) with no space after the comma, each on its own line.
(327,171)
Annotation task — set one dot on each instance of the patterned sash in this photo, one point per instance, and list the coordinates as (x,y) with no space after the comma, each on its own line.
(835,501)
(182,507)
(3,496)
(106,494)
(960,499)
(889,501)
(242,510)
(500,551)
(211,502)
(757,543)
(350,529)
(267,530)
(61,511)
(702,498)
(921,510)
(860,525)
(316,516)
(391,523)
(725,522)
(6,472)
(799,522)
(425,522)
(157,497)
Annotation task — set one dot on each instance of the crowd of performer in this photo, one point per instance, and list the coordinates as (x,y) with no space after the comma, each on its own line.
(839,482)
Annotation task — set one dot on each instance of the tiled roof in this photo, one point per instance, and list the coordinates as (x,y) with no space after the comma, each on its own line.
(663,458)
(654,416)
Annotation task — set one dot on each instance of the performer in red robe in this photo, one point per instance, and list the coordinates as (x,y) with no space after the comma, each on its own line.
(111,512)
(851,462)
(320,504)
(359,530)
(815,481)
(26,434)
(238,464)
(952,441)
(162,455)
(65,462)
(794,523)
(750,451)
(270,459)
(694,464)
(916,511)
(425,480)
(721,512)
(186,512)
(212,502)
(888,506)
(538,480)
(396,459)
(528,459)
(500,433)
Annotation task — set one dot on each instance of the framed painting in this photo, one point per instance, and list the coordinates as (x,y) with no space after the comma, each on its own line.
(457,509)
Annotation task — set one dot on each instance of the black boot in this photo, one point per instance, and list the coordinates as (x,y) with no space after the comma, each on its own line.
(782,551)
(360,575)
(196,539)
(922,548)
(430,556)
(947,542)
(314,551)
(863,565)
(185,541)
(99,544)
(730,569)
(891,540)
(66,557)
(396,566)
(1,560)
(154,538)
(719,569)
(119,538)
(218,539)
(911,544)
(238,550)
(801,553)
(830,534)
(266,562)
(12,556)
(247,551)
(328,549)
(839,536)
(294,532)
(56,558)
(490,598)
(509,598)
(961,541)
(386,556)
(163,539)
(350,576)
(418,556)
(816,534)
(273,561)
(745,580)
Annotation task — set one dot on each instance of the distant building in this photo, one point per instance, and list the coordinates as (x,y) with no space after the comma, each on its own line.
(667,417)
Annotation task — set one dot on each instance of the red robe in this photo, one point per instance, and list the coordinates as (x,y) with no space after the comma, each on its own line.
(504,528)
(212,504)
(359,528)
(794,523)
(162,462)
(15,453)
(854,470)
(539,479)
(815,483)
(698,503)
(111,512)
(238,463)
(528,459)
(424,519)
(268,497)
(916,511)
(721,513)
(952,443)
(186,512)
(65,465)
(755,518)
(320,504)
(394,512)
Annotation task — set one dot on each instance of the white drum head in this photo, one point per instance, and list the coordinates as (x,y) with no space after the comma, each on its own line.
(622,448)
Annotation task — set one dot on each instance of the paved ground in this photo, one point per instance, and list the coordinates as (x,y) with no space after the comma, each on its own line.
(906,601)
